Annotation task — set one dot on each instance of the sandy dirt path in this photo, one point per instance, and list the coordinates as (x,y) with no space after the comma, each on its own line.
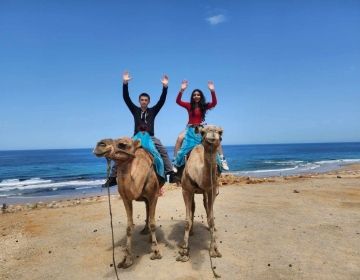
(301,228)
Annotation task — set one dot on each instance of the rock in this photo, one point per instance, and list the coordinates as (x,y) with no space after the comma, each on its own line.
(4,208)
(296,191)
(52,205)
(34,206)
(338,176)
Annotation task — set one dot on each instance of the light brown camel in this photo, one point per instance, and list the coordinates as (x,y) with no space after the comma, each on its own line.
(137,180)
(200,176)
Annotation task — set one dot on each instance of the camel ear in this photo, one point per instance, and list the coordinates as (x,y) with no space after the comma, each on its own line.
(220,133)
(137,144)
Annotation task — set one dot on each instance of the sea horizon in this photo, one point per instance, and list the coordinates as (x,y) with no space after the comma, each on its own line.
(172,146)
(48,173)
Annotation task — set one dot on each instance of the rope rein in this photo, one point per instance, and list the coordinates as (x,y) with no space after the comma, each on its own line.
(111,223)
(212,209)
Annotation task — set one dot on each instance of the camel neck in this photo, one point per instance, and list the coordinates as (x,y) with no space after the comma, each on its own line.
(124,168)
(210,164)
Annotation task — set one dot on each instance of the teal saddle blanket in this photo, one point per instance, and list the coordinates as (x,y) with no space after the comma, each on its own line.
(148,144)
(191,140)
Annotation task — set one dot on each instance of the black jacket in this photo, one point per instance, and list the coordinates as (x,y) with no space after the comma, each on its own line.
(145,120)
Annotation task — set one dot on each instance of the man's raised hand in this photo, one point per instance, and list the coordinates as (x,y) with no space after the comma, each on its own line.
(165,80)
(126,77)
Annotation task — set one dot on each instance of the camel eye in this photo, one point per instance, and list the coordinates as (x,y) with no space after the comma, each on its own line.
(101,144)
(122,146)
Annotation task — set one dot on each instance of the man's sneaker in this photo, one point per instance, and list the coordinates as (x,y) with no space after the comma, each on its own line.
(224,164)
(111,181)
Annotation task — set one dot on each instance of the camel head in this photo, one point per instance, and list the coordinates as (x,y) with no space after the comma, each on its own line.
(120,149)
(211,135)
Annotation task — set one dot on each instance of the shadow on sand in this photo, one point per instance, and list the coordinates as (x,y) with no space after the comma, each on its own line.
(199,242)
(141,245)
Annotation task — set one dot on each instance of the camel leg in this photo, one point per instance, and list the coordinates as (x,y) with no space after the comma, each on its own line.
(146,228)
(192,216)
(128,258)
(205,201)
(154,245)
(184,251)
(214,252)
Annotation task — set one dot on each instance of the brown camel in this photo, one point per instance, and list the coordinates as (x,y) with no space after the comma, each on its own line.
(136,180)
(200,176)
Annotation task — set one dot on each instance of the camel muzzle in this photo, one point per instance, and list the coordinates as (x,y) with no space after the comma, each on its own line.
(100,150)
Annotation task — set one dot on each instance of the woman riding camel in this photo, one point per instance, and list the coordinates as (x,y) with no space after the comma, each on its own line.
(197,109)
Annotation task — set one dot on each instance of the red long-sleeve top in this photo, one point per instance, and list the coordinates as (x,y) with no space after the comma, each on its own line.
(195,116)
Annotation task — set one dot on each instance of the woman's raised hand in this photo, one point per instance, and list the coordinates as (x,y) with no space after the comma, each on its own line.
(184,85)
(211,86)
(126,77)
(165,80)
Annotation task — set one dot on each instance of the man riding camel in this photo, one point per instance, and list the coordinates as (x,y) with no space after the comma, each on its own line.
(144,120)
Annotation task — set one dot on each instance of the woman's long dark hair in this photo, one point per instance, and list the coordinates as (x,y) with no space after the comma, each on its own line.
(202,104)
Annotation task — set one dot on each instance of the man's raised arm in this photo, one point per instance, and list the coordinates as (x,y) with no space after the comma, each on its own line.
(128,102)
(160,103)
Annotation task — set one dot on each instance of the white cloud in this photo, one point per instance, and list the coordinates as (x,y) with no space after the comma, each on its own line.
(214,20)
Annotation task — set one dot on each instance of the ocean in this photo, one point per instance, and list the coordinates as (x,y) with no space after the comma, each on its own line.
(40,175)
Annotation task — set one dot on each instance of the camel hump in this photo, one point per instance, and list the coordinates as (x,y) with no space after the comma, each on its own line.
(143,154)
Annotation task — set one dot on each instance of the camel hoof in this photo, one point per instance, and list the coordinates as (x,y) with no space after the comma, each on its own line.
(182,258)
(145,231)
(184,252)
(156,255)
(214,253)
(208,228)
(126,262)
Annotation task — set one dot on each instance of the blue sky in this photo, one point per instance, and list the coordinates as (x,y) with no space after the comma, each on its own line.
(284,71)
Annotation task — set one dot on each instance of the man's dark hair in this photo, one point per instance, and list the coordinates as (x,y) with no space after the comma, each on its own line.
(145,95)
